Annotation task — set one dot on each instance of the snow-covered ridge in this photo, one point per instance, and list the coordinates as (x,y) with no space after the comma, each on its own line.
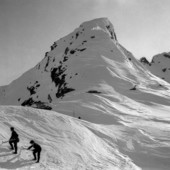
(159,66)
(78,64)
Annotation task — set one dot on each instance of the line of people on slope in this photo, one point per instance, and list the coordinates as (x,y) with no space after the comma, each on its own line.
(14,139)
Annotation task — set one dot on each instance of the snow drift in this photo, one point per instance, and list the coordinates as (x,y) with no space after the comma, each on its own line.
(67,142)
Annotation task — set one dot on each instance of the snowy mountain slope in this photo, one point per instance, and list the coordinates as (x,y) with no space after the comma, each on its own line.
(133,143)
(123,107)
(79,64)
(159,66)
(67,143)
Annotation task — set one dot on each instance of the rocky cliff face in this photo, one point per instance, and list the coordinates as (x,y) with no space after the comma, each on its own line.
(159,66)
(87,61)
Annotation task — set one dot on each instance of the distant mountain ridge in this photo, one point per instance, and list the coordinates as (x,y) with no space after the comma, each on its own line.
(159,66)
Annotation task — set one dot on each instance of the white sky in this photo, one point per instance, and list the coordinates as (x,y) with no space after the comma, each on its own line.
(29,27)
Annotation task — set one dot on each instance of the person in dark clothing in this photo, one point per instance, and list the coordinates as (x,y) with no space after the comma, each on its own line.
(13,140)
(36,150)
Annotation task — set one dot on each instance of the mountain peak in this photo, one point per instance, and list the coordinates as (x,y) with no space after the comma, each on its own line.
(100,27)
(100,24)
(78,63)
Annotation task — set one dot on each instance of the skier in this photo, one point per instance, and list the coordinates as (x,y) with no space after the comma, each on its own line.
(37,149)
(13,140)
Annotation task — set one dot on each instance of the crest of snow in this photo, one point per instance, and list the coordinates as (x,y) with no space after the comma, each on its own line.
(98,28)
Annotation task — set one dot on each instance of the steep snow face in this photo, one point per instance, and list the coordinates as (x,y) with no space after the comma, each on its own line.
(67,143)
(159,66)
(84,62)
(56,74)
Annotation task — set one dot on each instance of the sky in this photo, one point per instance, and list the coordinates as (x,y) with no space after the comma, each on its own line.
(29,27)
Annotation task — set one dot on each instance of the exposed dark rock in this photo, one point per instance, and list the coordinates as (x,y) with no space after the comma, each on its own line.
(66,51)
(36,104)
(65,58)
(31,90)
(77,34)
(37,85)
(46,54)
(94,91)
(56,72)
(134,88)
(115,36)
(62,91)
(164,69)
(53,46)
(47,63)
(28,102)
(167,55)
(58,77)
(84,42)
(72,51)
(49,98)
(111,33)
(145,61)
(82,49)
